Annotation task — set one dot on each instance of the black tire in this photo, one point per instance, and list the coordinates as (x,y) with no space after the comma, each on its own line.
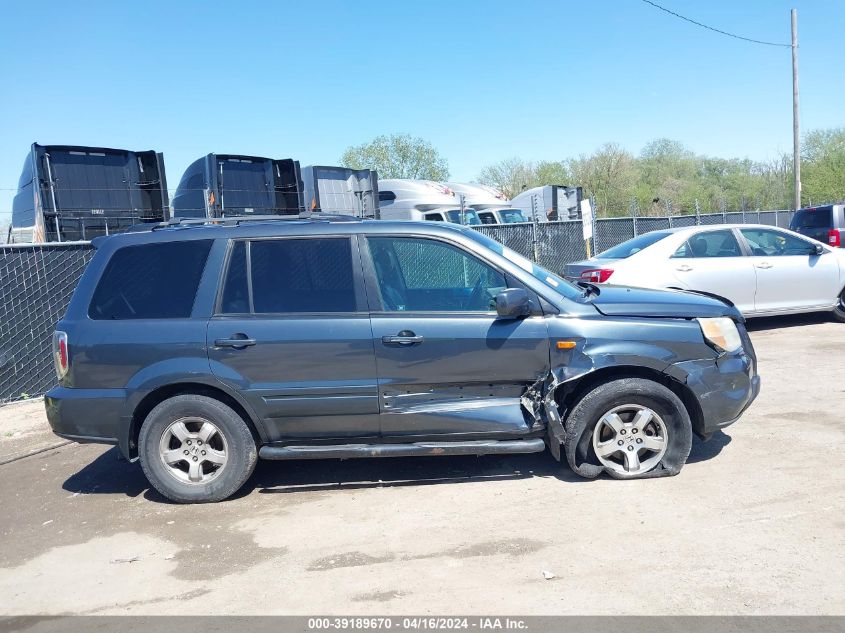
(839,311)
(240,449)
(585,415)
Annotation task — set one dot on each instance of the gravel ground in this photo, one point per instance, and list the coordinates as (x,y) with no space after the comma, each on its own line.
(752,525)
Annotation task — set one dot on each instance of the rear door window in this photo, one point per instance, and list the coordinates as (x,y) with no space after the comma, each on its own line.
(151,281)
(274,276)
(714,244)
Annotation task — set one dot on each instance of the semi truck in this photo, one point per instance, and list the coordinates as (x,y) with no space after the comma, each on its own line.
(491,205)
(550,203)
(409,199)
(72,192)
(220,185)
(330,189)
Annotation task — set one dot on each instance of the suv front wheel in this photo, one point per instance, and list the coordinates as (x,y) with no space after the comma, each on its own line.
(629,428)
(196,449)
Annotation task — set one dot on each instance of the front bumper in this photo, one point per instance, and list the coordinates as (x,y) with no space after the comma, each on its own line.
(724,388)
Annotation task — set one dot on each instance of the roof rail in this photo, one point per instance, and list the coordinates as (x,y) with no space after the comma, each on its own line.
(236,220)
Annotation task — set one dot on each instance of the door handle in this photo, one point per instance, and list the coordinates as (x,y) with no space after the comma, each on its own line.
(237,341)
(684,268)
(764,265)
(405,337)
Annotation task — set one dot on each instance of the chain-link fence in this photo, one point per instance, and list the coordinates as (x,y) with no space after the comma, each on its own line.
(556,244)
(36,282)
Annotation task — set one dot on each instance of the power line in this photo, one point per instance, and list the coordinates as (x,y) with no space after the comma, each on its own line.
(710,28)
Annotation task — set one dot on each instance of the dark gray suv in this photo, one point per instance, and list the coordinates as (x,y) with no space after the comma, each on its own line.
(199,348)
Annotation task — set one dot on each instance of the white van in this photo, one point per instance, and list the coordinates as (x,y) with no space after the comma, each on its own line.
(407,199)
(491,205)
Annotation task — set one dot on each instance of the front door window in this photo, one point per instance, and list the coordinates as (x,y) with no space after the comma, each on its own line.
(420,275)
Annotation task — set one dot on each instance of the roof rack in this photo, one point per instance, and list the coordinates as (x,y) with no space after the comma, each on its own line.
(236,220)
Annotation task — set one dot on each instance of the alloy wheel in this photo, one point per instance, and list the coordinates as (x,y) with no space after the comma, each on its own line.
(193,450)
(630,439)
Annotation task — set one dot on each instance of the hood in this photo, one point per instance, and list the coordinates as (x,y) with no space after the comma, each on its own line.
(645,302)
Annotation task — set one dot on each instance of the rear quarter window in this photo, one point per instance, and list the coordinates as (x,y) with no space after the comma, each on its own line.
(820,218)
(150,281)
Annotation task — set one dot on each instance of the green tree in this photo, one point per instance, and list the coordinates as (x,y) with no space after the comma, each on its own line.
(823,166)
(398,156)
(666,171)
(608,176)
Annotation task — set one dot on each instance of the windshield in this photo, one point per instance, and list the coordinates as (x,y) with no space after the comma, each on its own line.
(633,246)
(820,218)
(509,216)
(470,217)
(550,279)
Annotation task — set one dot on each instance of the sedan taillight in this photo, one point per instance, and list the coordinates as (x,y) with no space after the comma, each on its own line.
(597,275)
(60,354)
(834,238)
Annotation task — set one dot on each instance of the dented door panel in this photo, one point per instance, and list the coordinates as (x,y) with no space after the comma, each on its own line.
(466,374)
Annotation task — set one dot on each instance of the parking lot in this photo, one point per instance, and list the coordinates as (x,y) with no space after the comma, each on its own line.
(752,525)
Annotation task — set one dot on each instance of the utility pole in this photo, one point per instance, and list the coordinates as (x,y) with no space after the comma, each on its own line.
(796,140)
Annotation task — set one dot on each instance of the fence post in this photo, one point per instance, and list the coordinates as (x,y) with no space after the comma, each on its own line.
(634,214)
(669,212)
(535,240)
(697,213)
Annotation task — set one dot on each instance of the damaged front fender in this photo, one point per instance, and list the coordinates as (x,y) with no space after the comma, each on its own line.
(623,345)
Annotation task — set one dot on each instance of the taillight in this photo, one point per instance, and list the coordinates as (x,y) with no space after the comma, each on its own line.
(834,238)
(60,354)
(597,275)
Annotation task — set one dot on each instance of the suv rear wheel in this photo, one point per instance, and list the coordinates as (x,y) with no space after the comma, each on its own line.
(196,449)
(629,428)
(839,309)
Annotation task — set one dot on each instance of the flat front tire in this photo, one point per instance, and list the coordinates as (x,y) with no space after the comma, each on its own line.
(195,449)
(629,428)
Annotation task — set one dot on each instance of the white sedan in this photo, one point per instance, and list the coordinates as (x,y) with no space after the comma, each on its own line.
(761,269)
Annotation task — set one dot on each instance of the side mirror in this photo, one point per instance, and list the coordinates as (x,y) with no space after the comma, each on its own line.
(513,303)
(818,249)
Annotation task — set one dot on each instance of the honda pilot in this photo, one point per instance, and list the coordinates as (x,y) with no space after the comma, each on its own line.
(198,347)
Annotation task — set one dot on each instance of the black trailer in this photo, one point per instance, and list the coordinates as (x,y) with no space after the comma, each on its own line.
(219,185)
(69,193)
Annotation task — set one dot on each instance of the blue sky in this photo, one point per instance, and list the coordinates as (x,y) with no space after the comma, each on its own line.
(483,81)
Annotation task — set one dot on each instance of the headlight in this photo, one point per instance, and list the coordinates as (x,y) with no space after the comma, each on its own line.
(721,333)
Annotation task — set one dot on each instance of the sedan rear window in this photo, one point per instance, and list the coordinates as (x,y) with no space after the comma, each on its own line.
(633,246)
(151,281)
